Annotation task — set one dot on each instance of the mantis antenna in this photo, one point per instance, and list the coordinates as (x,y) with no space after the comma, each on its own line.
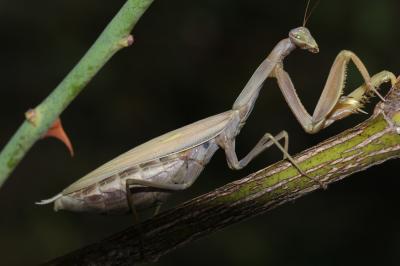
(307,16)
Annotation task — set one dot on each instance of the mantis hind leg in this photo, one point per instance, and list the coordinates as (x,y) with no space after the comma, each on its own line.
(153,184)
(136,219)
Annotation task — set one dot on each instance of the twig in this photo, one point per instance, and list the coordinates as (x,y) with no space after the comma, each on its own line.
(371,142)
(114,37)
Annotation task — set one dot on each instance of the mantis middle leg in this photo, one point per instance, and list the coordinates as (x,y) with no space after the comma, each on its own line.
(332,105)
(264,143)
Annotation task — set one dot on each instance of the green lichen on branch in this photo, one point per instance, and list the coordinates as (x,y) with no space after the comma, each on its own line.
(371,142)
(114,37)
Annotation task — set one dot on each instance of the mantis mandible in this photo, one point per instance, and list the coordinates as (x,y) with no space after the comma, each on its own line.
(144,176)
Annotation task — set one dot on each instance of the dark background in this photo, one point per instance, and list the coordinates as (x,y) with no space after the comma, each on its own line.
(190,60)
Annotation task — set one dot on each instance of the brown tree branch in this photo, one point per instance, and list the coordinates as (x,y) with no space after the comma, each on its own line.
(371,142)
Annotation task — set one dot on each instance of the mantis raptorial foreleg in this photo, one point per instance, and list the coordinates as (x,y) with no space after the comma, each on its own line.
(332,105)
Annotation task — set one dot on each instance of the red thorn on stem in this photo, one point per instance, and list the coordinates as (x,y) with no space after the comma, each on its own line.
(57,131)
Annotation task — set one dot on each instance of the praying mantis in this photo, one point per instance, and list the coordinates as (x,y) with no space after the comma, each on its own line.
(144,176)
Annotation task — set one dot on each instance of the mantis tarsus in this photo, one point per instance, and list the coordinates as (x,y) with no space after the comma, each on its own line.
(145,175)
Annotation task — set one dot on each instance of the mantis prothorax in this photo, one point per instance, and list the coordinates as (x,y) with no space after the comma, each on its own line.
(145,175)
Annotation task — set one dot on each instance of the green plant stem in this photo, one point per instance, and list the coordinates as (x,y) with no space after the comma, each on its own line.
(371,142)
(114,37)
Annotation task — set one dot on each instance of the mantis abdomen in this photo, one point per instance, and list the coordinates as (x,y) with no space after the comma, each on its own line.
(110,195)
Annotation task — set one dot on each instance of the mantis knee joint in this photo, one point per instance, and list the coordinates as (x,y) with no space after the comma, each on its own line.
(346,53)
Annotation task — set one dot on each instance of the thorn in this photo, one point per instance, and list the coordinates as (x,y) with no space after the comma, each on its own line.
(30,115)
(127,41)
(57,131)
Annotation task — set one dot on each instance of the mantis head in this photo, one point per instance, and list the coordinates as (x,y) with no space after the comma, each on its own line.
(303,39)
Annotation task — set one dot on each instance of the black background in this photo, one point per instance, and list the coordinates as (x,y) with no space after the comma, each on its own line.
(190,60)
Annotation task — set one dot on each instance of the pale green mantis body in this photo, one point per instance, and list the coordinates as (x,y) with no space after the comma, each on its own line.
(145,175)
